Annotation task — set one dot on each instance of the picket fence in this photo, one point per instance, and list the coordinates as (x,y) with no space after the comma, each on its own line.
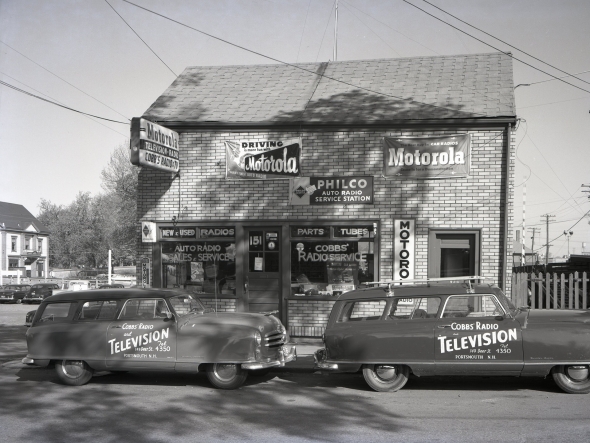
(550,290)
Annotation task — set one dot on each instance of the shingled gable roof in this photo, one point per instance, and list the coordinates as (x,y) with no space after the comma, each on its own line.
(15,217)
(475,86)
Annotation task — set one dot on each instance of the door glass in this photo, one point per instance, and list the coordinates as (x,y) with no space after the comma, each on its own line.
(472,306)
(263,251)
(455,262)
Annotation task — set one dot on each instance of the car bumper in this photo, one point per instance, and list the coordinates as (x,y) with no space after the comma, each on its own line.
(321,362)
(287,353)
(32,299)
(34,361)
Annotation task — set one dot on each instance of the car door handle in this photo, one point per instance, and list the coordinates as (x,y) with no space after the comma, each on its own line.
(444,326)
(115,327)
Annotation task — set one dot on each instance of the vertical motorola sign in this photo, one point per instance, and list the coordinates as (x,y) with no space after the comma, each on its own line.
(404,249)
(154,146)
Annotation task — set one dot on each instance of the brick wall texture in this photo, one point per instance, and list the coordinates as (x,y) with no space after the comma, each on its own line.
(202,193)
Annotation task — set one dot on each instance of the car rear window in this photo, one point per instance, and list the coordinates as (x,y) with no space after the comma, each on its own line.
(362,310)
(56,312)
(144,309)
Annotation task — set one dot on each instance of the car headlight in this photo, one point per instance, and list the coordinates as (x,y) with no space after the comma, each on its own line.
(258,338)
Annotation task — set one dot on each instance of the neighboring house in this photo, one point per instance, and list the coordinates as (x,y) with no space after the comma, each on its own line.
(24,244)
(378,198)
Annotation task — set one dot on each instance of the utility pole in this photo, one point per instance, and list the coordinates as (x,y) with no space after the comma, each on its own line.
(336,34)
(523,242)
(533,242)
(547,217)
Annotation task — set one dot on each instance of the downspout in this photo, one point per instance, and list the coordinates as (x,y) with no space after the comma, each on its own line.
(504,268)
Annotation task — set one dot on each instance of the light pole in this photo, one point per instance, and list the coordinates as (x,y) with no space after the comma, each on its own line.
(568,234)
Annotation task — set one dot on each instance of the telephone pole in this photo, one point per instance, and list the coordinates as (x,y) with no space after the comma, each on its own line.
(547,217)
(533,242)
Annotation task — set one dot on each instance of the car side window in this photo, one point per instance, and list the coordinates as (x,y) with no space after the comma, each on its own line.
(414,308)
(472,306)
(98,310)
(56,312)
(144,309)
(362,310)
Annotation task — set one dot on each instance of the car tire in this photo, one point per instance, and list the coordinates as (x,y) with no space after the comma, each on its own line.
(73,372)
(226,375)
(19,301)
(386,378)
(567,383)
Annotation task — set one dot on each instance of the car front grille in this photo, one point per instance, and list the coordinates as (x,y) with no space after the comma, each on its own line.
(275,339)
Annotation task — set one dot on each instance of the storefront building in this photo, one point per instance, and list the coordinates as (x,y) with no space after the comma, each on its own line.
(297,184)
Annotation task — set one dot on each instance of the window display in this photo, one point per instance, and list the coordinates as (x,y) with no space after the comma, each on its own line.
(330,266)
(200,267)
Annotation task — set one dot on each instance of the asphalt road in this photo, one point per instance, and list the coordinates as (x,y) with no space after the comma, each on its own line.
(290,406)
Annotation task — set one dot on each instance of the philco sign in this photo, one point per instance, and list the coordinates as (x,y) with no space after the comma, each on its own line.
(148,232)
(154,146)
(331,191)
(427,157)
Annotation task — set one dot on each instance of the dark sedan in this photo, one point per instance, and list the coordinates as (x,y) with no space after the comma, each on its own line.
(14,293)
(39,291)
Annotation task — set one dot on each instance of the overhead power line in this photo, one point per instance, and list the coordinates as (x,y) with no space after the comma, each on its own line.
(63,80)
(512,46)
(301,68)
(148,46)
(16,80)
(493,47)
(57,104)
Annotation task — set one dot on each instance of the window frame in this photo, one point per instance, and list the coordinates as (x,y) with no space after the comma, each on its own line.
(84,320)
(118,316)
(436,316)
(353,301)
(497,302)
(434,249)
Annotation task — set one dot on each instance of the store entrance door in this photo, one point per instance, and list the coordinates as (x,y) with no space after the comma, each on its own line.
(262,277)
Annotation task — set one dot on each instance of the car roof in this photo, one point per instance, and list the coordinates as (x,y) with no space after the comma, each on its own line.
(114,294)
(413,290)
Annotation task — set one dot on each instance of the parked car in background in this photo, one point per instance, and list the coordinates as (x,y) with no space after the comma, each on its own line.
(39,291)
(13,293)
(152,329)
(452,327)
(111,286)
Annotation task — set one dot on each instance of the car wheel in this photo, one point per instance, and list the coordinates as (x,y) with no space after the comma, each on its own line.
(384,378)
(73,372)
(226,375)
(18,301)
(573,379)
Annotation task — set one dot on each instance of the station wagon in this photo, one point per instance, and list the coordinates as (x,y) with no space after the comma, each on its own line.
(452,326)
(152,329)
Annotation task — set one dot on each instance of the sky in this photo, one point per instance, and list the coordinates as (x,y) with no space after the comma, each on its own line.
(82,55)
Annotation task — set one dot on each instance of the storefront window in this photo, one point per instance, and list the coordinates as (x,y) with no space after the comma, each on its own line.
(206,267)
(331,266)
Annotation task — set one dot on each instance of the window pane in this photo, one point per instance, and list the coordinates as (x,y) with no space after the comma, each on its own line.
(108,310)
(56,312)
(362,310)
(414,308)
(141,309)
(90,310)
(472,306)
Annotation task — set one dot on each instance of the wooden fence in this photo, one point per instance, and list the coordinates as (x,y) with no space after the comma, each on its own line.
(550,290)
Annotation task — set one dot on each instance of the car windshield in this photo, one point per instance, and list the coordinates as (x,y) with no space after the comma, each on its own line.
(185,304)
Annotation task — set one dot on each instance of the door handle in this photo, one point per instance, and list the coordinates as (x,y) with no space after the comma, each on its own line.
(444,326)
(115,327)
(246,282)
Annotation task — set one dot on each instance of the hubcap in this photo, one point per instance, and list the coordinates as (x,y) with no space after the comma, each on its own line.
(73,369)
(225,371)
(385,372)
(577,373)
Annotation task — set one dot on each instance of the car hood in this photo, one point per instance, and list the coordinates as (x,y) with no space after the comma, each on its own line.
(564,316)
(248,319)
